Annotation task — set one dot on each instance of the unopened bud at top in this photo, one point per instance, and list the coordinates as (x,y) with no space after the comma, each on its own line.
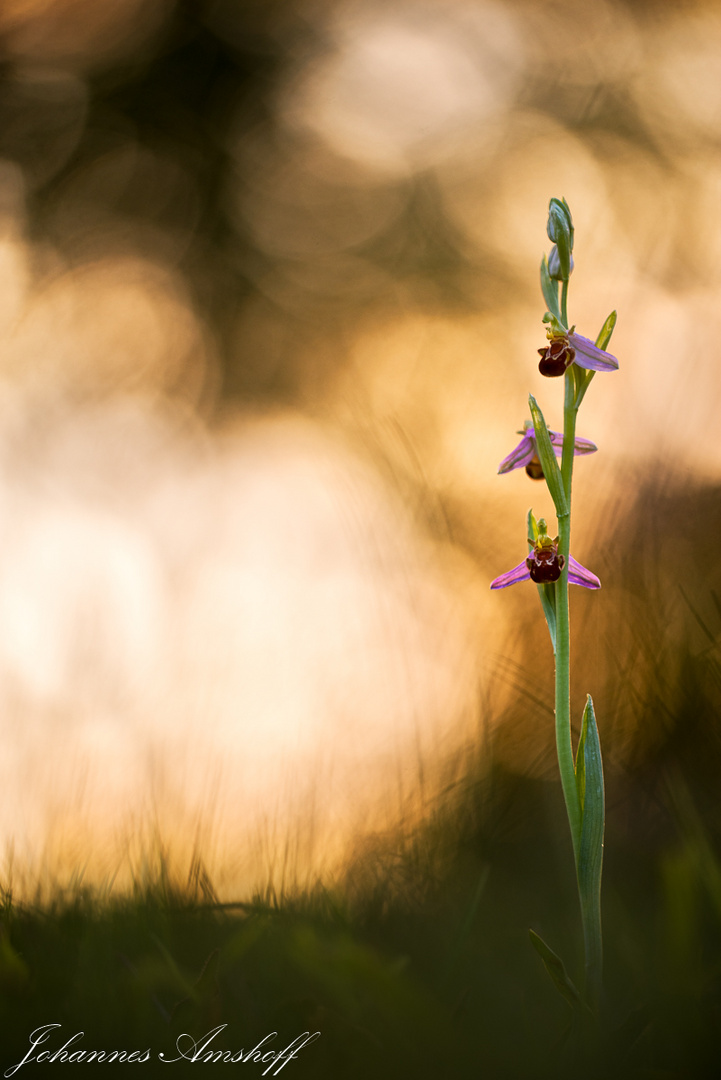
(560,231)
(554,265)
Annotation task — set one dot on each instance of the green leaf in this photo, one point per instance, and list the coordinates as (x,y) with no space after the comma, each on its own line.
(590,860)
(549,288)
(583,381)
(557,971)
(590,853)
(547,594)
(580,765)
(549,464)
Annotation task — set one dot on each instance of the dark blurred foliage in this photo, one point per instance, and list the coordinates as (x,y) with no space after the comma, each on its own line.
(152,151)
(142,149)
(139,155)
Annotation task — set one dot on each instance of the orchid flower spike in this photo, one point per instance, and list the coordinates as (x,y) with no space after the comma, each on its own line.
(571,348)
(544,565)
(526,456)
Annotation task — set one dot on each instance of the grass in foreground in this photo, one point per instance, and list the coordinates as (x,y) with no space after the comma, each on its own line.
(418,965)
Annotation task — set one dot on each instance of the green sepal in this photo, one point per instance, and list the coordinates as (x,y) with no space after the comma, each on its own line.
(531,528)
(559,210)
(549,464)
(557,971)
(549,288)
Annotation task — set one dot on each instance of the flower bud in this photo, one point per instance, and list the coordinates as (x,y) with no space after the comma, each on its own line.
(559,217)
(554,264)
(560,231)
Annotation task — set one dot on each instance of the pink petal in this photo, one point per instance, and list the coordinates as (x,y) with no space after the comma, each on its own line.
(522,454)
(580,446)
(579,575)
(519,573)
(590,356)
(584,446)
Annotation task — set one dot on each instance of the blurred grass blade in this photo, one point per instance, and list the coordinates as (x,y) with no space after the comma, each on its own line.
(549,464)
(14,972)
(461,942)
(549,288)
(698,846)
(556,969)
(590,855)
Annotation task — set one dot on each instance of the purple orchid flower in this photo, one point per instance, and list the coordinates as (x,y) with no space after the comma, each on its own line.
(525,454)
(544,565)
(566,349)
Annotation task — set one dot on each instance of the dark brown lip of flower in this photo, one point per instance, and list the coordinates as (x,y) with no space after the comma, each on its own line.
(555,358)
(534,469)
(545,564)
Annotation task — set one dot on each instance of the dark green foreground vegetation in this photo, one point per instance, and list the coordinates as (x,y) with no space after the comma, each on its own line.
(419,965)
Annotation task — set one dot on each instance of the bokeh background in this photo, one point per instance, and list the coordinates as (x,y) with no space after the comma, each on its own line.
(269,312)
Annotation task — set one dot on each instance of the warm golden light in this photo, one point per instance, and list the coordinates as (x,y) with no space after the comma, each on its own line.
(80,33)
(258,365)
(402,89)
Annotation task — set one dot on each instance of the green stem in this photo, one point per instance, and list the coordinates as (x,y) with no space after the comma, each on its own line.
(564,745)
(564,303)
(570,411)
(590,904)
